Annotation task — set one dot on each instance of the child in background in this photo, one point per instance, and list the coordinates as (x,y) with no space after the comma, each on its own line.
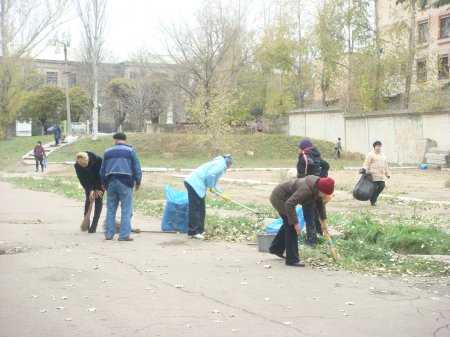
(39,156)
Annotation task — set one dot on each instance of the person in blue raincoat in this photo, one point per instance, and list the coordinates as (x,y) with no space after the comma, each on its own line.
(199,181)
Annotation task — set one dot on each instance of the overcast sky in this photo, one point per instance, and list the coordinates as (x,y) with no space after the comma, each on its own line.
(131,25)
(136,24)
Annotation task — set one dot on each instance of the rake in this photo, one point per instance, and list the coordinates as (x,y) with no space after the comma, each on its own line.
(327,237)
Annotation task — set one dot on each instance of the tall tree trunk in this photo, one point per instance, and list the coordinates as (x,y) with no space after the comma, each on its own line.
(411,53)
(349,56)
(378,56)
(4,79)
(300,73)
(95,99)
(3,25)
(323,86)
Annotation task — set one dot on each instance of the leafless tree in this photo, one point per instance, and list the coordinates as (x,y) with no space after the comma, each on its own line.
(92,15)
(24,25)
(150,88)
(205,53)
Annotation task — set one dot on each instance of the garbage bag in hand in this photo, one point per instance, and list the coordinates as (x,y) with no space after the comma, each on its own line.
(275,226)
(176,211)
(364,188)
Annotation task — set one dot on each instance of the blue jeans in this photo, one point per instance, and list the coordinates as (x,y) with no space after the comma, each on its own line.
(118,192)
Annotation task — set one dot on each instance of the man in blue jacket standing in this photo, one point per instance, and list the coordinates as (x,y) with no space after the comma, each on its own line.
(120,172)
(202,178)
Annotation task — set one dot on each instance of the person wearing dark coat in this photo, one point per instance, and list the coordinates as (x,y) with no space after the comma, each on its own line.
(87,167)
(39,156)
(310,162)
(284,198)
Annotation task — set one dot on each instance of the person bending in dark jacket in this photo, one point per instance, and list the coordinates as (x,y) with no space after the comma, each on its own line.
(87,167)
(285,197)
(310,162)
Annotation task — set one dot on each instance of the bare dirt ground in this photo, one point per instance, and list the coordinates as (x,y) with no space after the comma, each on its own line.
(398,199)
(57,281)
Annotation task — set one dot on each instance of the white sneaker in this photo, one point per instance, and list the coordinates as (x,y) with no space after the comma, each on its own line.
(198,236)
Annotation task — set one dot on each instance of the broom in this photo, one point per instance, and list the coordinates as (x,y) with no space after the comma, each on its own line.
(87,218)
(326,235)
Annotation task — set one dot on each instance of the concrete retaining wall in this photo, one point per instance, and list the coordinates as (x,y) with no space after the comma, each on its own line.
(403,134)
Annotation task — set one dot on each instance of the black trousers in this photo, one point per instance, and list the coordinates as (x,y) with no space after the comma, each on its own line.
(312,222)
(98,204)
(286,240)
(39,161)
(197,211)
(379,187)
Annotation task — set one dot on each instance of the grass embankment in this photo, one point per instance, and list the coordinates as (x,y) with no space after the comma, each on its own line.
(12,150)
(366,244)
(183,150)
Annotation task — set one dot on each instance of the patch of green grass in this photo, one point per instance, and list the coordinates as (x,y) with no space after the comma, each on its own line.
(12,150)
(187,150)
(368,245)
(232,229)
(401,238)
(67,186)
(145,200)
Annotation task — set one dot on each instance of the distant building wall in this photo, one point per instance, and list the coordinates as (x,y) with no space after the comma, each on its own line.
(403,134)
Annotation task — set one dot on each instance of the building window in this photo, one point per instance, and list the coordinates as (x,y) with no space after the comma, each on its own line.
(423,32)
(421,70)
(72,80)
(443,70)
(444,27)
(132,75)
(52,78)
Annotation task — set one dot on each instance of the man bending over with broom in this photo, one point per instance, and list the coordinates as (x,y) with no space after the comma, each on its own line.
(87,167)
(285,197)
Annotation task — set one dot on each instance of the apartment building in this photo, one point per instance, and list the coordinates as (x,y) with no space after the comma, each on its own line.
(53,73)
(432,36)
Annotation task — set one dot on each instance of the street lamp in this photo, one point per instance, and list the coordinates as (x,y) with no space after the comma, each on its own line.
(65,43)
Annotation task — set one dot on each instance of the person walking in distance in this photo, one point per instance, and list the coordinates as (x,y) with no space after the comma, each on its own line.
(39,156)
(87,167)
(338,149)
(120,172)
(204,177)
(284,198)
(377,166)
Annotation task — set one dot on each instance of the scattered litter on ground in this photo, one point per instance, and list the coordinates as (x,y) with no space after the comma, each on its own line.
(59,308)
(43,311)
(349,303)
(178,286)
(68,319)
(92,309)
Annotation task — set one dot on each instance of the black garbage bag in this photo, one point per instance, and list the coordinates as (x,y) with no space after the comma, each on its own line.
(364,188)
